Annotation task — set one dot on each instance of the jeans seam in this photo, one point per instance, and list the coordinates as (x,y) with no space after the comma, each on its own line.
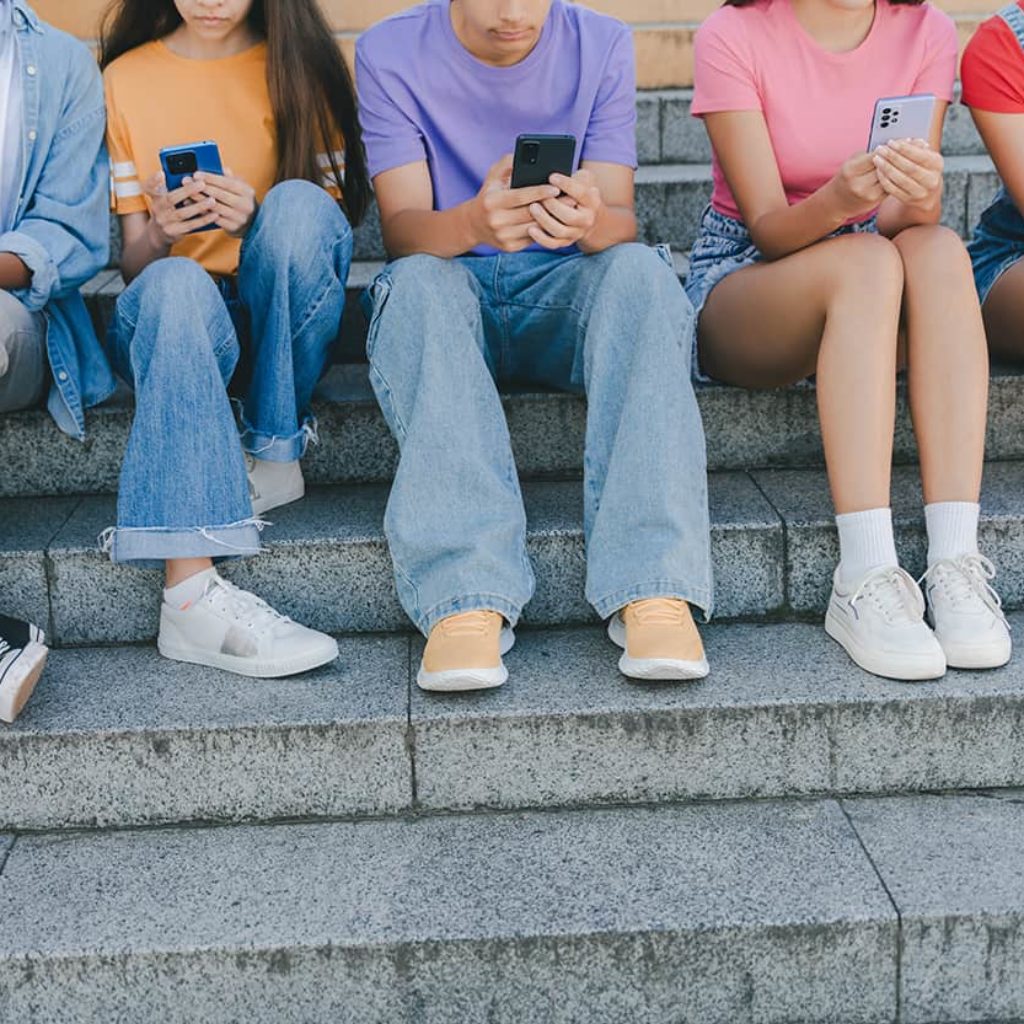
(323,296)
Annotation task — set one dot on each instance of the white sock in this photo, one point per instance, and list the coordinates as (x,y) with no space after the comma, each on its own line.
(952,529)
(865,542)
(188,591)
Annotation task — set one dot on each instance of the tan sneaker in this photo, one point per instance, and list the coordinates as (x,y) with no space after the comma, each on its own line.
(660,640)
(464,653)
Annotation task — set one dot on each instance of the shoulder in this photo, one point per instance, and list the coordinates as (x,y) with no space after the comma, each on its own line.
(71,55)
(130,66)
(591,26)
(992,35)
(734,25)
(936,25)
(387,38)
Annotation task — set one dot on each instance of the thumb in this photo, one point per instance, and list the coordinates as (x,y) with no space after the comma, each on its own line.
(500,174)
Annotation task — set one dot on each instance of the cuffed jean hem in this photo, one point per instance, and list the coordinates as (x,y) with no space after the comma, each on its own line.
(150,547)
(468,603)
(608,605)
(275,448)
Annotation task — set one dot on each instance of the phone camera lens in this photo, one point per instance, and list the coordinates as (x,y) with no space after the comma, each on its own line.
(887,111)
(183,163)
(531,153)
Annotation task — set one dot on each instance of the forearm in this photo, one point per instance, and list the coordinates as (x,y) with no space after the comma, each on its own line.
(139,252)
(446,234)
(789,229)
(895,216)
(14,275)
(615,225)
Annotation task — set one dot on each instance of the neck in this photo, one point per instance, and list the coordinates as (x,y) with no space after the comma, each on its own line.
(834,27)
(482,49)
(186,43)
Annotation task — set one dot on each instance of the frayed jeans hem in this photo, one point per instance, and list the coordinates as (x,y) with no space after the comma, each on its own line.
(701,597)
(148,547)
(277,448)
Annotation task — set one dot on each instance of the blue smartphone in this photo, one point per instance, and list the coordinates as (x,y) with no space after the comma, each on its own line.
(181,162)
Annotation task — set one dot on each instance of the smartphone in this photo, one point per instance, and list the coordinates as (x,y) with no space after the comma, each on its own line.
(539,156)
(181,162)
(901,117)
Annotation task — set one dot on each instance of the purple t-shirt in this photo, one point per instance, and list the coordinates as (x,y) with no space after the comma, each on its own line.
(423,96)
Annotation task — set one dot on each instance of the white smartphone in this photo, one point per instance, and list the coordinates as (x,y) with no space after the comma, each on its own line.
(901,117)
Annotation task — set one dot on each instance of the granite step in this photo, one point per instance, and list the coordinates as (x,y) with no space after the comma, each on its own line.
(744,430)
(326,561)
(119,737)
(868,910)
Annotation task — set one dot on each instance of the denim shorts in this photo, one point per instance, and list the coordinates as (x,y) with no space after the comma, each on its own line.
(998,243)
(724,246)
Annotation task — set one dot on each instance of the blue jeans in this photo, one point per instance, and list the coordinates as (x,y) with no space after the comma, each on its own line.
(615,326)
(998,243)
(177,338)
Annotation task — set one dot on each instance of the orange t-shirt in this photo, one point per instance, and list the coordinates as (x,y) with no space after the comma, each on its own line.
(157,99)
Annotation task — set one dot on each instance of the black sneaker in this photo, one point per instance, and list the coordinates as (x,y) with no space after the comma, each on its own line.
(22,657)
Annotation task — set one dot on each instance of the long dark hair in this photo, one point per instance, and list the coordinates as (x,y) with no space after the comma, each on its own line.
(311,90)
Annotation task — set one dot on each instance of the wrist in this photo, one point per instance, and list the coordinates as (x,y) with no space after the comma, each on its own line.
(471,223)
(158,241)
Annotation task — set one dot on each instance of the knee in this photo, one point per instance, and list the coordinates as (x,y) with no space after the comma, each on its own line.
(427,280)
(297,214)
(936,251)
(177,284)
(638,270)
(868,267)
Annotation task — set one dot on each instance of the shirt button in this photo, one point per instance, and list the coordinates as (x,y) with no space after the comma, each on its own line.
(31,71)
(62,375)
(33,135)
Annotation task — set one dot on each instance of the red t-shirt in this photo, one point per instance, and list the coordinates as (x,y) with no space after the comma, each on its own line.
(993,69)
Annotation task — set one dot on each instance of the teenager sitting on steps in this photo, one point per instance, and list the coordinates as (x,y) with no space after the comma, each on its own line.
(815,257)
(54,236)
(232,278)
(533,286)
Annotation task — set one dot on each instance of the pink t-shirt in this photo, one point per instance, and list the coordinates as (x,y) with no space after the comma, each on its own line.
(817,104)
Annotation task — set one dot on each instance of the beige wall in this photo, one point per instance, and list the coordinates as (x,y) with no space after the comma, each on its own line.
(664,28)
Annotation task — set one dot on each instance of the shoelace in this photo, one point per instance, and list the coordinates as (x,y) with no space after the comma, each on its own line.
(893,593)
(241,605)
(659,611)
(467,624)
(966,580)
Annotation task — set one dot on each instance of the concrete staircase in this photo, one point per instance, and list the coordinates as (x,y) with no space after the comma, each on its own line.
(791,841)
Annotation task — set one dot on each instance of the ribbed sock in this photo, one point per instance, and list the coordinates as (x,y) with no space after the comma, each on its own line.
(188,591)
(865,543)
(952,529)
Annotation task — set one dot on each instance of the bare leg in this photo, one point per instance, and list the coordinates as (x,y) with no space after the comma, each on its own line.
(834,309)
(1004,315)
(947,362)
(181,569)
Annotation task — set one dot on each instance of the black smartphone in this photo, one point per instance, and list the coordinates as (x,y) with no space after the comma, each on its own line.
(540,156)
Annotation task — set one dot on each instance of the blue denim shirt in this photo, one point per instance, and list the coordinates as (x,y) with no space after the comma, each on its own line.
(62,225)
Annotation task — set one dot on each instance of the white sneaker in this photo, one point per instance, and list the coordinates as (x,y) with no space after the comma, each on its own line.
(880,623)
(967,613)
(23,654)
(232,629)
(273,484)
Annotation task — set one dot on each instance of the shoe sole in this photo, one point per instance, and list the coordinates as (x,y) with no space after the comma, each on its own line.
(980,656)
(654,669)
(469,679)
(902,668)
(246,666)
(264,507)
(20,680)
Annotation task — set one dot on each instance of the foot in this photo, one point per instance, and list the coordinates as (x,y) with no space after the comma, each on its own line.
(232,629)
(967,613)
(660,641)
(273,484)
(879,621)
(464,653)
(22,657)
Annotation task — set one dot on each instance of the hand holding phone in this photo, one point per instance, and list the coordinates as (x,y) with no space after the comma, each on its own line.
(568,218)
(500,216)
